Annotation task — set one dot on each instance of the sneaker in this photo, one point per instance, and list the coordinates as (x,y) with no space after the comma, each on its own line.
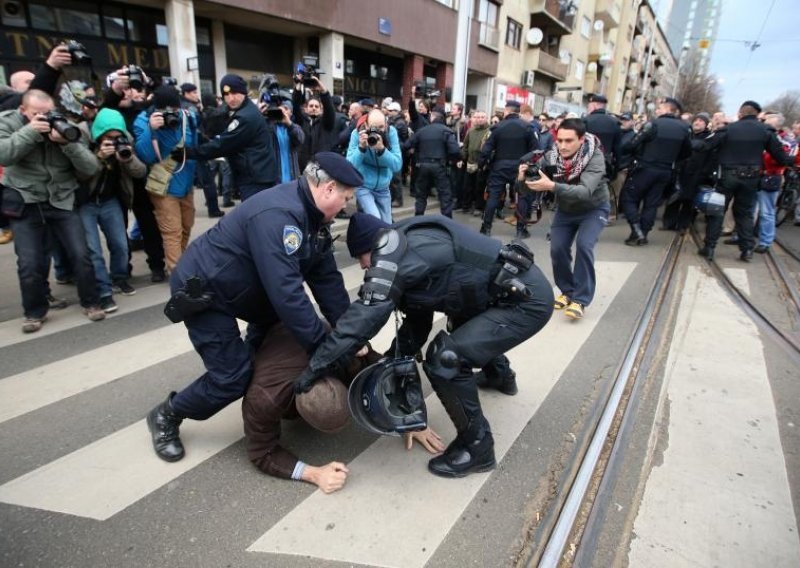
(56,303)
(122,287)
(108,305)
(561,302)
(157,276)
(94,313)
(6,236)
(574,311)
(32,325)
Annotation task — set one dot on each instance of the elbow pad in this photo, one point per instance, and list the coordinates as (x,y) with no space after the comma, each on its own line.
(380,280)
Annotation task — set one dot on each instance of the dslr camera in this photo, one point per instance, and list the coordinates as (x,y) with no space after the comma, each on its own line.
(172,118)
(135,77)
(308,70)
(270,94)
(373,135)
(59,123)
(123,147)
(532,172)
(78,52)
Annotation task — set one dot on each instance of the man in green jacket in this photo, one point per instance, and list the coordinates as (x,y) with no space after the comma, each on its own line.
(42,168)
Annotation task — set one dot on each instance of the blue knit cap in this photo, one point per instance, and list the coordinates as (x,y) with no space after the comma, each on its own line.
(362,232)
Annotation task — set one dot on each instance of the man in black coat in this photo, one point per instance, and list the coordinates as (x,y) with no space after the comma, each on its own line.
(494,296)
(318,122)
(247,142)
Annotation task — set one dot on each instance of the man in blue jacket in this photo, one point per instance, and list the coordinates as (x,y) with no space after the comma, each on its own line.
(374,150)
(252,266)
(247,142)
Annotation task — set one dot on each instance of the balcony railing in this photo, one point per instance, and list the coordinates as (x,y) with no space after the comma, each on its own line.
(555,13)
(543,62)
(609,11)
(489,36)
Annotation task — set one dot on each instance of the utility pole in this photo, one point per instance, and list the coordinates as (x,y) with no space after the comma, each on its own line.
(461,60)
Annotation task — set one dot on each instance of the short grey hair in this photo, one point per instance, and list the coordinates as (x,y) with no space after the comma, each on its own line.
(777,117)
(317,176)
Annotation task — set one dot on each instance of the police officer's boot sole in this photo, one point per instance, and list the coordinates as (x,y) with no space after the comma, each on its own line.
(164,430)
(459,462)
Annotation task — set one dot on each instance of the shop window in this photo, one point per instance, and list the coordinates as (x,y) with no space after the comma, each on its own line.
(349,66)
(68,17)
(513,34)
(114,22)
(162,35)
(203,35)
(143,26)
(378,72)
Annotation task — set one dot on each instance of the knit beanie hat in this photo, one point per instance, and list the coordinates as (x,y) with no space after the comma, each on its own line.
(361,233)
(166,96)
(108,119)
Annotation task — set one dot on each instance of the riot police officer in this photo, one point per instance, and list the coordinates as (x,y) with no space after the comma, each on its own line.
(506,144)
(252,266)
(741,146)
(433,145)
(657,148)
(246,142)
(606,128)
(494,296)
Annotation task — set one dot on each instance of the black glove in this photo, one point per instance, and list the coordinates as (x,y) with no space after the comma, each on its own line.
(305,381)
(177,154)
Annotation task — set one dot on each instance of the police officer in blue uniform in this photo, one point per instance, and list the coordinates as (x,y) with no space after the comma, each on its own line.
(494,296)
(660,145)
(246,142)
(252,266)
(507,143)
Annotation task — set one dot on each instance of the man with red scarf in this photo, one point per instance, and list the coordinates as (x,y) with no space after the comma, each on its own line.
(578,171)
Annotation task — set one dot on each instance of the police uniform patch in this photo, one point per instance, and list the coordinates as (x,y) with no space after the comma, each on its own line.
(292,239)
(232,126)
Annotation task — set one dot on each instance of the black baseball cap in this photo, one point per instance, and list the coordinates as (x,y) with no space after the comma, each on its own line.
(598,99)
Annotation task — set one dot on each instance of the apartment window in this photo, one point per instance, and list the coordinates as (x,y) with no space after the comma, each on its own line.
(586,27)
(579,69)
(513,34)
(448,3)
(487,13)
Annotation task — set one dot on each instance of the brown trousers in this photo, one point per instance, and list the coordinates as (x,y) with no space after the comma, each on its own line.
(175,217)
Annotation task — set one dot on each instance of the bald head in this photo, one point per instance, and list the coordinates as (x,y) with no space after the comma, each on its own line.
(35,102)
(376,118)
(20,81)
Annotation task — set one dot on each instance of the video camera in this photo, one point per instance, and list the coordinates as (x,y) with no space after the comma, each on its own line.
(59,123)
(269,93)
(422,91)
(78,52)
(308,70)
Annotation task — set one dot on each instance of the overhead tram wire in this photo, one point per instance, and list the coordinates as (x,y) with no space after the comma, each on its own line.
(755,45)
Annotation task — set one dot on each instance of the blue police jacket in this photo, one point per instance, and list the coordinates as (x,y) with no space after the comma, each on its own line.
(376,169)
(255,260)
(167,139)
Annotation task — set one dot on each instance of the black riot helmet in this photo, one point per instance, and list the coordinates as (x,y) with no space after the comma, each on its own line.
(386,397)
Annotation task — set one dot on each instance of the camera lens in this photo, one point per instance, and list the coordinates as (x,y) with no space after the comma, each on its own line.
(372,139)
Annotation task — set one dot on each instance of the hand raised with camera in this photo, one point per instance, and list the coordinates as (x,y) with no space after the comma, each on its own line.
(521,171)
(40,124)
(106,149)
(122,81)
(59,57)
(287,116)
(320,86)
(156,121)
(55,136)
(544,183)
(362,138)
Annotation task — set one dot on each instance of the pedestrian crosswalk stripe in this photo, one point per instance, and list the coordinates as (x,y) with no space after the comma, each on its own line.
(419,508)
(103,478)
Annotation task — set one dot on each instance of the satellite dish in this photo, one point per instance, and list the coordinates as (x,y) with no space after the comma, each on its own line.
(564,56)
(592,67)
(534,36)
(599,25)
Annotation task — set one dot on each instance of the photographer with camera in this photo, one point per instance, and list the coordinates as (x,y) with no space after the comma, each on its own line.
(375,152)
(577,169)
(121,96)
(246,142)
(43,157)
(287,138)
(110,193)
(319,119)
(159,131)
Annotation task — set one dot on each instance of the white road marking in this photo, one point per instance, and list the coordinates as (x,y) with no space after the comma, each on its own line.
(721,496)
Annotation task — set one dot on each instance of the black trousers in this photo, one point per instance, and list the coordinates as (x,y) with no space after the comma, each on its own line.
(474,185)
(645,187)
(744,194)
(151,236)
(428,176)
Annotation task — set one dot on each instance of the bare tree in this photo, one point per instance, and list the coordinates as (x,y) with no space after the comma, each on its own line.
(697,90)
(787,104)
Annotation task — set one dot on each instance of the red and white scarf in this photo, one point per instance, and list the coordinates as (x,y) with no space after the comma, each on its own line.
(569,170)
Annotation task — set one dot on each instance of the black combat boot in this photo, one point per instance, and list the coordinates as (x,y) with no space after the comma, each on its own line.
(637,236)
(522,232)
(497,374)
(707,252)
(486,229)
(164,427)
(466,454)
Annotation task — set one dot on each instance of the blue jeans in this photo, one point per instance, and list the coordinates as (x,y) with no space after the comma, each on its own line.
(376,202)
(107,216)
(766,216)
(584,230)
(221,172)
(30,245)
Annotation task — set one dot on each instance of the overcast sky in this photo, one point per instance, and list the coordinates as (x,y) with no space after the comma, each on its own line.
(773,68)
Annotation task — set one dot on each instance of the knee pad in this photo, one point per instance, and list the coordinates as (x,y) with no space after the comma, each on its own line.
(442,360)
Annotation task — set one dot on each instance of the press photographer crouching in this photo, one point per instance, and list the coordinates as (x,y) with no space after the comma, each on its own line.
(374,150)
(578,170)
(43,156)
(108,199)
